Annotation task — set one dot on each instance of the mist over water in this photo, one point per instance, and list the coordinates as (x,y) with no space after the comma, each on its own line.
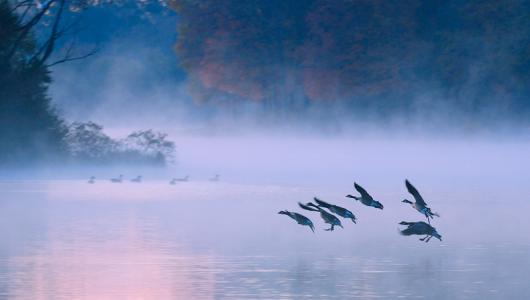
(285,101)
(199,239)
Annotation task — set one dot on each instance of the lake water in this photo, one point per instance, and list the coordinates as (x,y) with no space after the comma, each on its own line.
(203,240)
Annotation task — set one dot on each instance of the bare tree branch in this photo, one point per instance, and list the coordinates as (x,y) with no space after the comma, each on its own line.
(20,4)
(68,56)
(26,28)
(53,34)
(60,32)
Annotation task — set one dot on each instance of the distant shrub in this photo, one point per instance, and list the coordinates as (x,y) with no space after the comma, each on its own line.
(87,143)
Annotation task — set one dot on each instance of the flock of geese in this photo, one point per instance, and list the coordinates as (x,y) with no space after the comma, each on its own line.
(329,211)
(138,179)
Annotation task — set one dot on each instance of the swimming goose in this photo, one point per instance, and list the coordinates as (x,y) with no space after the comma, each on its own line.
(365,198)
(138,179)
(420,228)
(327,217)
(300,219)
(215,178)
(173,181)
(117,180)
(341,211)
(186,178)
(92,179)
(419,203)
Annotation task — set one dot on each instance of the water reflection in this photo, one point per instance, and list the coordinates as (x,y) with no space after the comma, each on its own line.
(87,260)
(67,242)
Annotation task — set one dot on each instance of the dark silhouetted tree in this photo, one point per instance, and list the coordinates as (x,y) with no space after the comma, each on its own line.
(30,128)
(32,39)
(88,144)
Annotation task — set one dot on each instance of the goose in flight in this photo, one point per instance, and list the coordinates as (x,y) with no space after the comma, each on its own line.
(327,217)
(117,180)
(420,228)
(138,179)
(300,219)
(215,178)
(341,211)
(365,198)
(92,179)
(419,203)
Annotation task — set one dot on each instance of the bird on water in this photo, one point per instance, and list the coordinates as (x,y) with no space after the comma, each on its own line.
(365,198)
(92,179)
(183,179)
(341,211)
(138,179)
(420,228)
(300,219)
(419,204)
(327,217)
(117,180)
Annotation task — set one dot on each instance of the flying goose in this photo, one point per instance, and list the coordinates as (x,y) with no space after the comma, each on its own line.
(300,219)
(365,198)
(420,228)
(327,217)
(117,180)
(341,211)
(419,203)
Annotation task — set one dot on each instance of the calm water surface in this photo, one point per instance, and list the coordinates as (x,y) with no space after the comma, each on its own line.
(201,240)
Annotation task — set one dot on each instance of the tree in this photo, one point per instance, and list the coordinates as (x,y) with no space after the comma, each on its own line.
(33,38)
(88,144)
(152,144)
(375,57)
(30,128)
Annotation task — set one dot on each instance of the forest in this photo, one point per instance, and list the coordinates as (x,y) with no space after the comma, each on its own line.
(471,58)
(465,65)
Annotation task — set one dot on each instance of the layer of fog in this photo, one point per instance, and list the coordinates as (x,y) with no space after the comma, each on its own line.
(244,146)
(131,85)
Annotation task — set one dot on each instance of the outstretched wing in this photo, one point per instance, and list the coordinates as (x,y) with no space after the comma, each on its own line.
(414,192)
(362,191)
(322,203)
(301,219)
(306,207)
(408,231)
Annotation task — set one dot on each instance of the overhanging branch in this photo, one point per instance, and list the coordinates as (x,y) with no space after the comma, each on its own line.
(68,57)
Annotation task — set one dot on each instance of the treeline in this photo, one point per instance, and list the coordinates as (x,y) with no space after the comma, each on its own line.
(31,129)
(88,143)
(469,57)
